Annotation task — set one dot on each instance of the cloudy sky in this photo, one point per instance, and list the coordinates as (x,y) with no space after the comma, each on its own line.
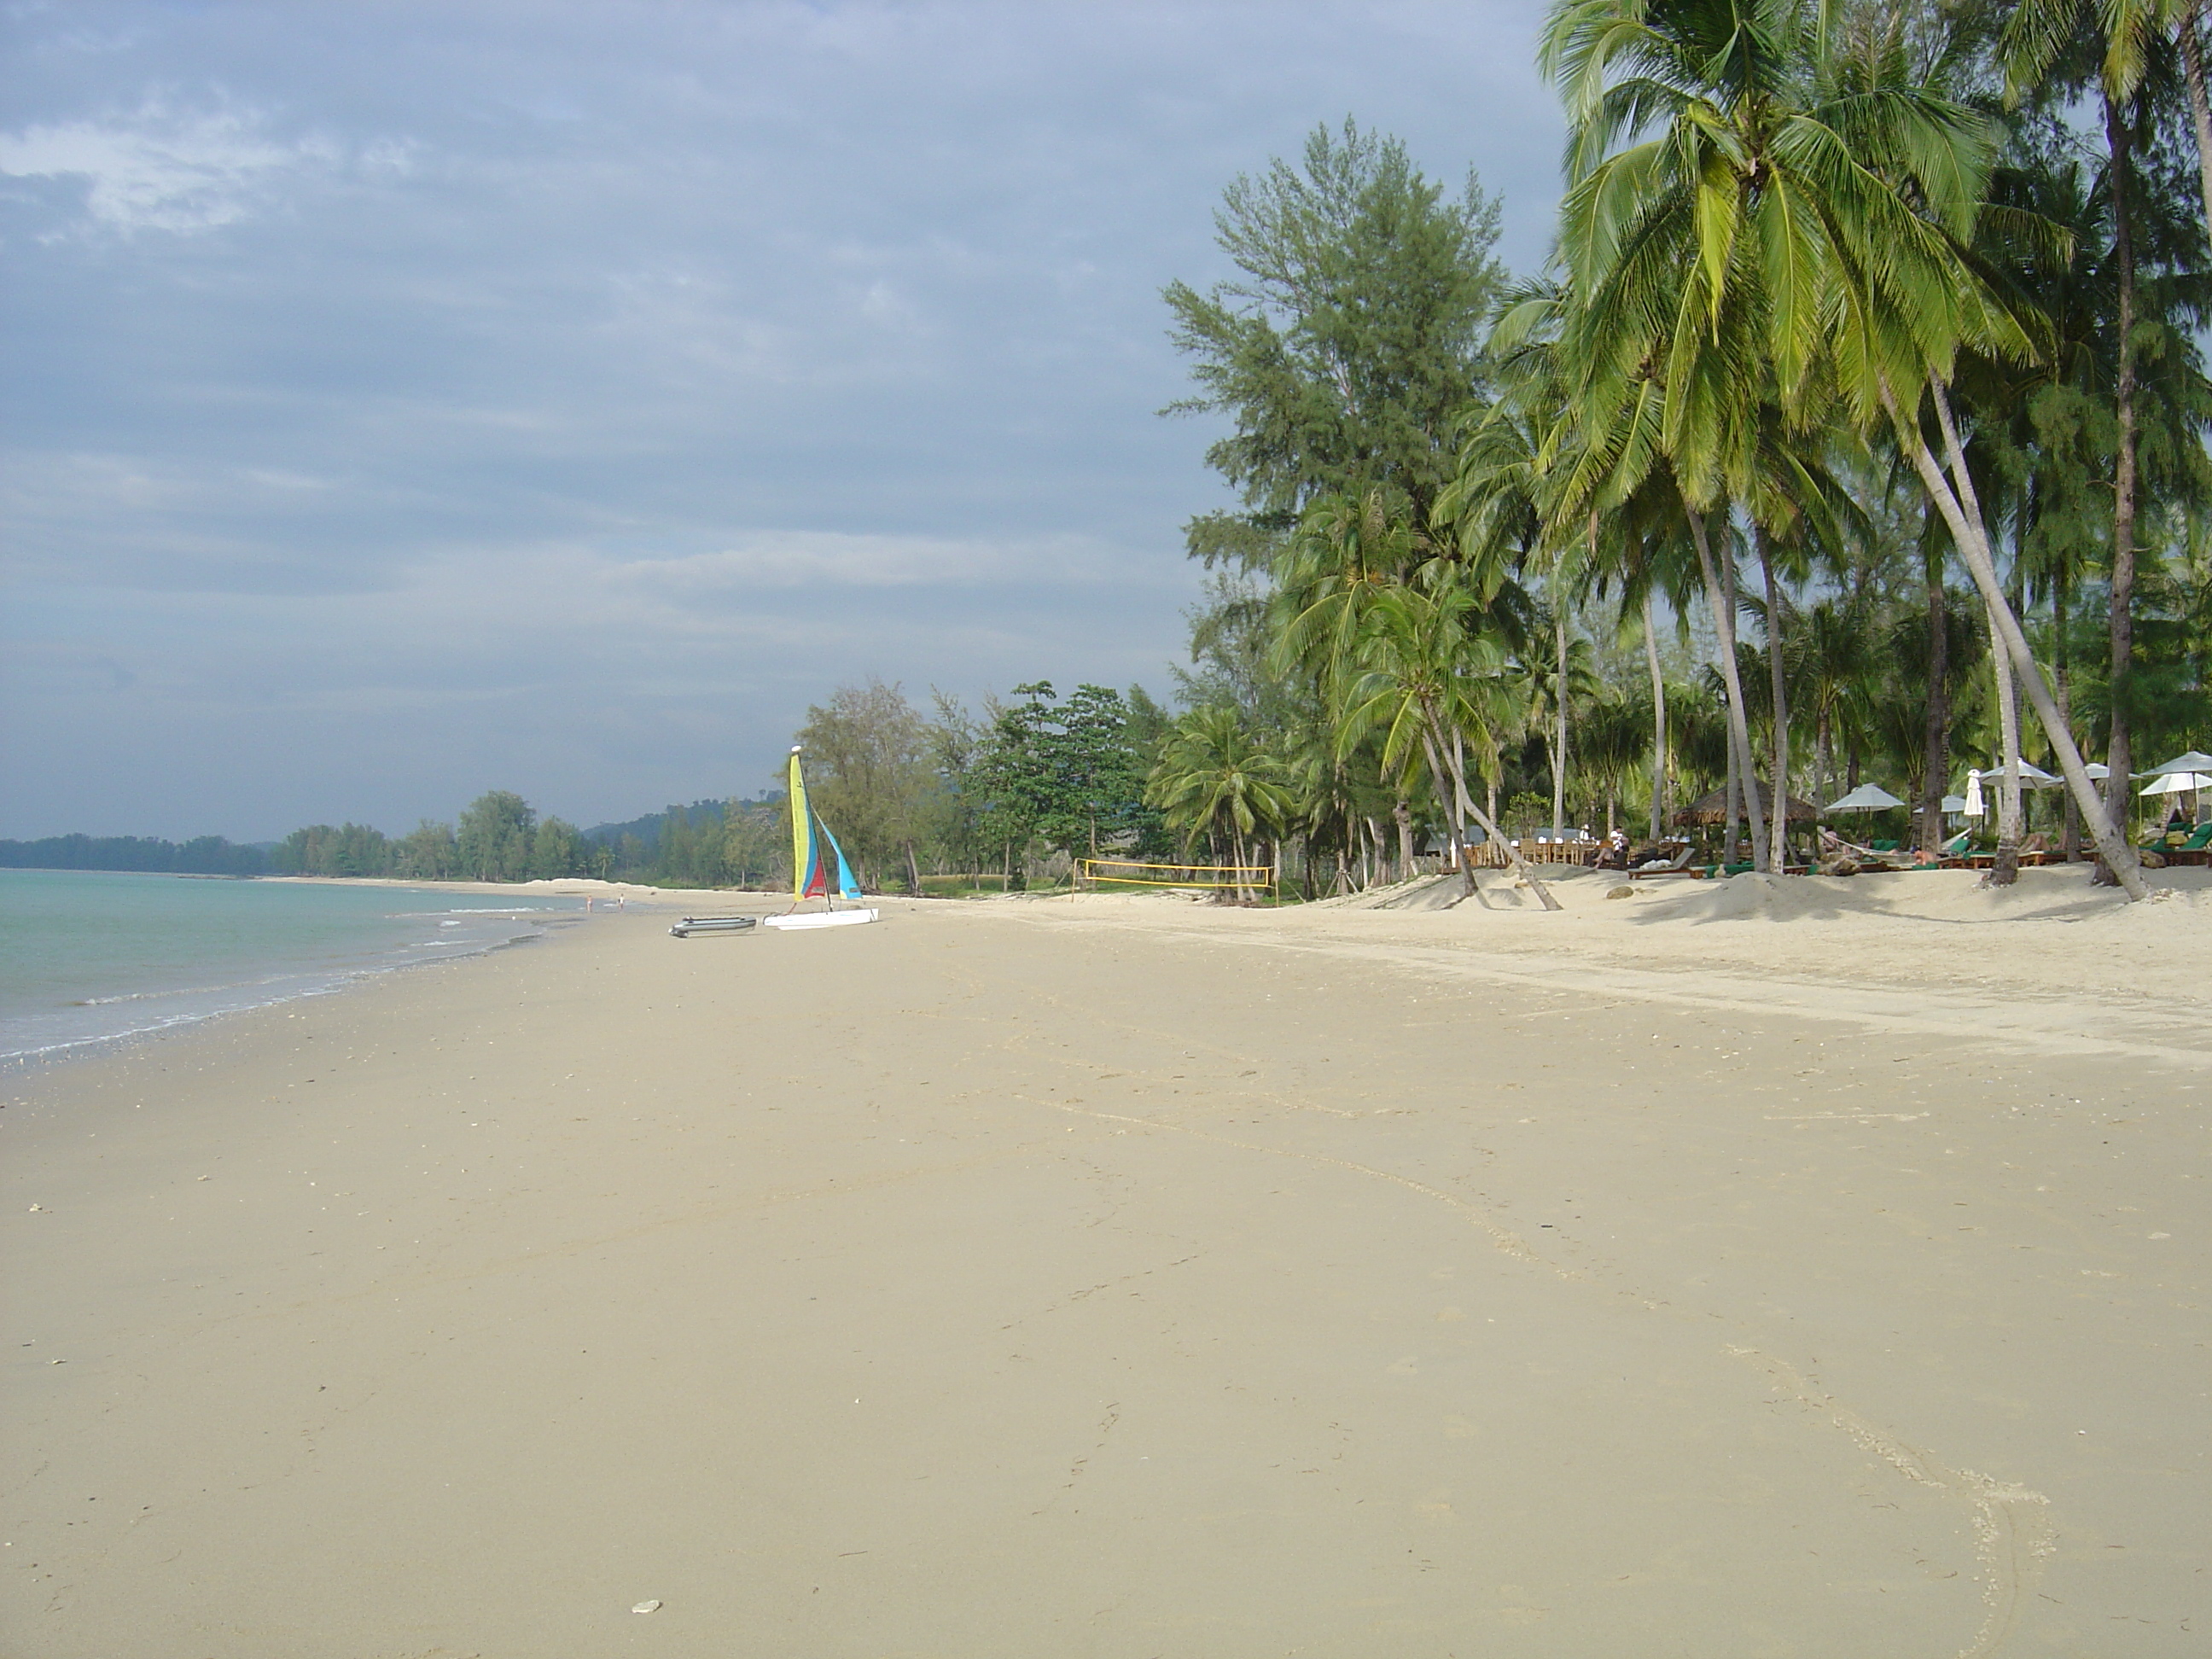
(402,400)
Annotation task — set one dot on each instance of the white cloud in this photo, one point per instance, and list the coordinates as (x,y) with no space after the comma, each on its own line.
(792,559)
(160,168)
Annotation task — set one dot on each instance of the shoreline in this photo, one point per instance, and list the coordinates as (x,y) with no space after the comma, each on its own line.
(283,973)
(1138,1276)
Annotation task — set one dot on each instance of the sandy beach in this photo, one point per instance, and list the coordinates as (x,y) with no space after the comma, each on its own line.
(1796,1269)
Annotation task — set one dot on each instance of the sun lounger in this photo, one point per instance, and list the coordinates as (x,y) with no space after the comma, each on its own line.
(1677,865)
(2195,850)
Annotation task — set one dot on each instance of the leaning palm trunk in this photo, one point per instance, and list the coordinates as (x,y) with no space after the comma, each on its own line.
(1465,808)
(1658,718)
(1778,856)
(1455,836)
(2200,111)
(2006,870)
(1723,609)
(1961,510)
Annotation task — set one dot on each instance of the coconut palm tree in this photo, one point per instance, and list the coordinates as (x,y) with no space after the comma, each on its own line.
(1840,666)
(1712,187)
(1898,332)
(1505,506)
(1783,194)
(1548,686)
(1215,779)
(1345,552)
(2128,37)
(1426,674)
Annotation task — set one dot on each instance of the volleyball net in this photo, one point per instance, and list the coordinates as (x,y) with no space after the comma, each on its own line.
(1131,872)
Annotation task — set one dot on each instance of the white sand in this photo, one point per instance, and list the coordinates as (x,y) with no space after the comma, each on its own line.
(1817,1269)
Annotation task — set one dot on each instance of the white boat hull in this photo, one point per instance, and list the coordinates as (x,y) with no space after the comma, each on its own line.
(822,919)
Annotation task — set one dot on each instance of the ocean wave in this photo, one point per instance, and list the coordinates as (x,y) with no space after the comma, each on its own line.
(480,910)
(27,1034)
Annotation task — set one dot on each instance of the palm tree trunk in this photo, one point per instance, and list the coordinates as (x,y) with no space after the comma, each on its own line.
(1658,718)
(1731,803)
(1404,814)
(1559,698)
(1935,775)
(1824,753)
(2119,759)
(1489,828)
(2069,844)
(2006,870)
(1962,514)
(2200,111)
(1723,601)
(1778,680)
(1446,793)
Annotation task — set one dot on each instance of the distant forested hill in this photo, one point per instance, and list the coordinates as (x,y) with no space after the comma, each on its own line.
(203,855)
(647,829)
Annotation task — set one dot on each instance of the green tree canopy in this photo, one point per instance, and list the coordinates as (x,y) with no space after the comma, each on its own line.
(1349,341)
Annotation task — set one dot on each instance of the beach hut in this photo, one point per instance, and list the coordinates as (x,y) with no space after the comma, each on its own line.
(1713,809)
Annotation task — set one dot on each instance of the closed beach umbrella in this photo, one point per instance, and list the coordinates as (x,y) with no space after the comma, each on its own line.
(1867,797)
(1975,806)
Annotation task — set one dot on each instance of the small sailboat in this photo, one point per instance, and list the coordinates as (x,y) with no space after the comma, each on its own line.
(810,873)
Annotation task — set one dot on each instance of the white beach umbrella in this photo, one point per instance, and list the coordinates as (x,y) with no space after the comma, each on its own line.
(2031,777)
(2098,771)
(2195,761)
(2179,783)
(1867,797)
(1975,806)
(1955,803)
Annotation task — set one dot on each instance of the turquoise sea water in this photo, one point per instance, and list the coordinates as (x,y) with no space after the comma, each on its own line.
(87,957)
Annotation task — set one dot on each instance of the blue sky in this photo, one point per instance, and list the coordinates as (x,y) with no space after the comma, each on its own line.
(402,400)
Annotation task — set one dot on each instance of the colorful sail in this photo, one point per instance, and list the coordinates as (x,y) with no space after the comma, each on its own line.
(810,872)
(808,878)
(846,884)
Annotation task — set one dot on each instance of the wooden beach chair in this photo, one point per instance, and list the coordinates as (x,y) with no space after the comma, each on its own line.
(2194,850)
(1677,865)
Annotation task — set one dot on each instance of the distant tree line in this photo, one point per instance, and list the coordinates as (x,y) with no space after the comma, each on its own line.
(500,838)
(1005,790)
(203,855)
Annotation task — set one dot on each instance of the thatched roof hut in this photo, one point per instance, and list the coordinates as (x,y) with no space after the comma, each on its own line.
(1713,808)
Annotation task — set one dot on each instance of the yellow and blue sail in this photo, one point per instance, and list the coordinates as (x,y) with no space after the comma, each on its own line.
(810,870)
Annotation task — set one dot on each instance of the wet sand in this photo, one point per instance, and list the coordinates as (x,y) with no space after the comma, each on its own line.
(1819,1269)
